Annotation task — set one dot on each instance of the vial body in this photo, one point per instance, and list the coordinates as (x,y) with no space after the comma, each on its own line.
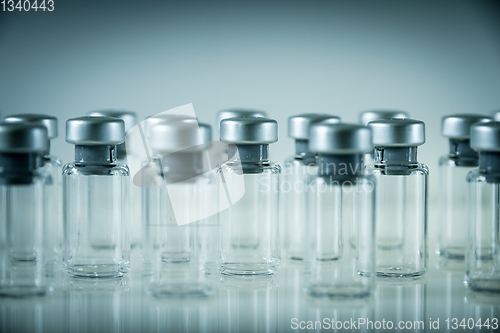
(249,227)
(482,260)
(135,194)
(401,217)
(453,208)
(341,237)
(52,202)
(295,177)
(177,257)
(22,229)
(96,229)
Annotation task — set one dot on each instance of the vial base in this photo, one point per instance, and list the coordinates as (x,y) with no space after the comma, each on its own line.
(399,272)
(105,271)
(248,269)
(338,291)
(23,291)
(295,256)
(484,285)
(450,252)
(176,257)
(181,290)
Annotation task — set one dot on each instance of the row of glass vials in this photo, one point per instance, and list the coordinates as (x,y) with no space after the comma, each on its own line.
(351,204)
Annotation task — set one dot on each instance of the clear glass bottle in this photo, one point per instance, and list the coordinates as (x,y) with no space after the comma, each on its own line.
(22,224)
(52,198)
(95,192)
(130,119)
(296,171)
(401,207)
(178,243)
(482,255)
(453,170)
(249,227)
(340,210)
(366,116)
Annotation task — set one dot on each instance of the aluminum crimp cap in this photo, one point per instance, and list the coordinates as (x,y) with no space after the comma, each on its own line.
(23,138)
(129,117)
(485,136)
(298,126)
(496,115)
(176,135)
(397,132)
(251,130)
(339,138)
(49,122)
(233,113)
(206,132)
(95,131)
(372,115)
(457,126)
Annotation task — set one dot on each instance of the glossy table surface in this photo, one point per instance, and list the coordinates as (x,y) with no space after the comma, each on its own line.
(275,304)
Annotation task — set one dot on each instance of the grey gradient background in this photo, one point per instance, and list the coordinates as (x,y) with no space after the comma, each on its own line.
(288,57)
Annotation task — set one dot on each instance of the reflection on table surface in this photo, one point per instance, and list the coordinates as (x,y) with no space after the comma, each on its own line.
(269,304)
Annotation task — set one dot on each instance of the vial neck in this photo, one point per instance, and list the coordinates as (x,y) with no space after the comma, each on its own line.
(181,166)
(121,152)
(340,166)
(47,152)
(251,154)
(489,166)
(303,154)
(462,153)
(95,155)
(396,155)
(18,168)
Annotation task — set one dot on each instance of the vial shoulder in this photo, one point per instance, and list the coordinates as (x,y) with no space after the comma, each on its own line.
(445,161)
(238,168)
(407,170)
(116,169)
(52,161)
(474,176)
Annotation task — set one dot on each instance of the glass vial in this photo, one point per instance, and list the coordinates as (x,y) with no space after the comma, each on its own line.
(130,119)
(22,224)
(95,192)
(52,198)
(371,115)
(249,226)
(180,239)
(482,255)
(296,171)
(340,240)
(401,208)
(453,170)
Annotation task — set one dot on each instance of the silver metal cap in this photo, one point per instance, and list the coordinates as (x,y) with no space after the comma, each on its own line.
(95,131)
(23,138)
(485,136)
(496,115)
(129,117)
(233,113)
(339,138)
(151,121)
(49,122)
(457,126)
(254,130)
(298,126)
(397,132)
(206,132)
(372,115)
(176,135)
